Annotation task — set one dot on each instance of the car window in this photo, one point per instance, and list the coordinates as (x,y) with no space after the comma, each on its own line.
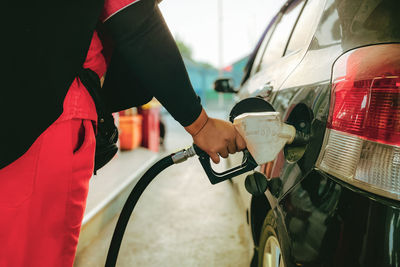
(261,50)
(277,44)
(302,31)
(328,32)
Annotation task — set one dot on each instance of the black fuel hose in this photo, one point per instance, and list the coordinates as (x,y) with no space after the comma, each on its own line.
(136,193)
(178,157)
(130,204)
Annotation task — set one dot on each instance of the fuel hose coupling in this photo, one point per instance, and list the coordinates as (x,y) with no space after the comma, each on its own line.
(183,155)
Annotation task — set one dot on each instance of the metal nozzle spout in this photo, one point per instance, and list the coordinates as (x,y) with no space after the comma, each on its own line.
(300,139)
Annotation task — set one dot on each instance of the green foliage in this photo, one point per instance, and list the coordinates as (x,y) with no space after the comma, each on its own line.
(185,49)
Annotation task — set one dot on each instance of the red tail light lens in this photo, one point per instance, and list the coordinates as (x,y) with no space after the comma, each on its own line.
(362,142)
(366,100)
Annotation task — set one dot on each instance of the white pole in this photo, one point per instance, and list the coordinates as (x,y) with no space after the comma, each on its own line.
(220,49)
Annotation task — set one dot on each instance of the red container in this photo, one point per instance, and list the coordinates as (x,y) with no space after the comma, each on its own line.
(151,128)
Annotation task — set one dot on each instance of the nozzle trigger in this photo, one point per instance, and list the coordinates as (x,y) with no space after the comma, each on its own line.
(248,164)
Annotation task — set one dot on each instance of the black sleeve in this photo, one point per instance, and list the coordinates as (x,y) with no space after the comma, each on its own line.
(146,62)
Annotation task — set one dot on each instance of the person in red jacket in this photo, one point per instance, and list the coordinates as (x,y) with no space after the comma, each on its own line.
(43,188)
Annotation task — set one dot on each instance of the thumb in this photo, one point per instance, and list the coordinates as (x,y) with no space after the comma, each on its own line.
(240,142)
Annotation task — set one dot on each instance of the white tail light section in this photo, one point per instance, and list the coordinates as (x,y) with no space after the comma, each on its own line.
(362,142)
(341,154)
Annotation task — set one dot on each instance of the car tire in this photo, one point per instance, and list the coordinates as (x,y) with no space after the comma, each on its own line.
(269,250)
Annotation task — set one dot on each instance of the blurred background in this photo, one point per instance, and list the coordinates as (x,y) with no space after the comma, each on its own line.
(215,37)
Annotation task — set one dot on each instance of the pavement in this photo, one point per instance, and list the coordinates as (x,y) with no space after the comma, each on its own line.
(180,220)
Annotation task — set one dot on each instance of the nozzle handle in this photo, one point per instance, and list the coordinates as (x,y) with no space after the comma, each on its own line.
(248,164)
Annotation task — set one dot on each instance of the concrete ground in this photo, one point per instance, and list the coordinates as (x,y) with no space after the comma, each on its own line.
(181,220)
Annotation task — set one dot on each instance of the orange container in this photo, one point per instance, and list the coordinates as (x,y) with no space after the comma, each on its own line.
(130,135)
(128,112)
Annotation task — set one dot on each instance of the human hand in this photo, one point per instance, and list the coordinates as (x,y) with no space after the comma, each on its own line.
(217,138)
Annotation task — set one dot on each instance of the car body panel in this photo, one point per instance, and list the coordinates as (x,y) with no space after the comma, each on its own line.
(322,221)
(328,224)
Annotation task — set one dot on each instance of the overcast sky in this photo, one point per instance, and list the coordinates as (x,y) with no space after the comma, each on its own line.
(196,23)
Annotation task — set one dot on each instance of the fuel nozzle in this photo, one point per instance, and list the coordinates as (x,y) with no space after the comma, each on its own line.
(265,134)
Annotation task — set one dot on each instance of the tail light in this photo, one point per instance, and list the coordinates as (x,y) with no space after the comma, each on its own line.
(362,142)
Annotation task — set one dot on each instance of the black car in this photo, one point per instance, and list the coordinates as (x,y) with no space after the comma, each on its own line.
(332,70)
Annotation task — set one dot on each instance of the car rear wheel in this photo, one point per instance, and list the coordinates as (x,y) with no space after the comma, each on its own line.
(269,252)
